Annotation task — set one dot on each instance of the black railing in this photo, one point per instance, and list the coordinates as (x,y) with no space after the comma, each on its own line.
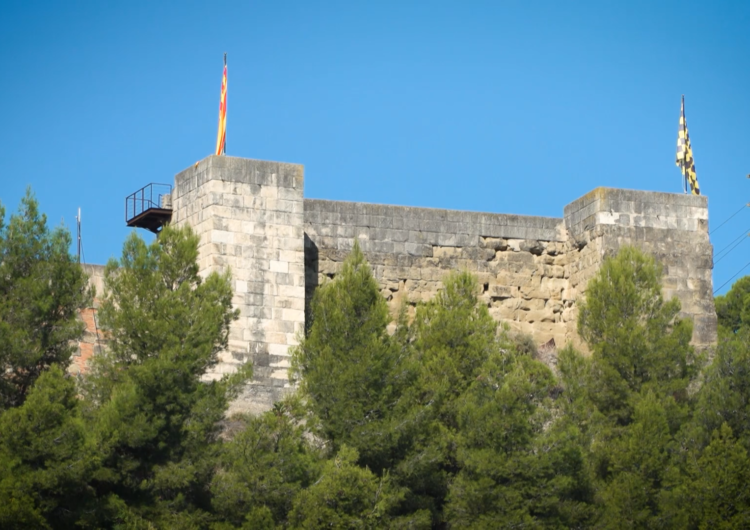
(151,196)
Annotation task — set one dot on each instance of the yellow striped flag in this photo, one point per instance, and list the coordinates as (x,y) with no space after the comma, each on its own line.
(685,153)
(221,138)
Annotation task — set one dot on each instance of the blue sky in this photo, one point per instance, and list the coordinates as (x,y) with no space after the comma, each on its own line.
(512,107)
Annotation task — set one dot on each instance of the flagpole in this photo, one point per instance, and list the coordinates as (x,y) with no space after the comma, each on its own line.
(682,174)
(224,152)
(221,138)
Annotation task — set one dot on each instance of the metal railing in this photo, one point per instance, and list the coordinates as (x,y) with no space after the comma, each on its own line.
(152,195)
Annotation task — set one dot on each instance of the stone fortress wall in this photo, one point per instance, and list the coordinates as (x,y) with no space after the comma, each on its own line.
(531,269)
(252,217)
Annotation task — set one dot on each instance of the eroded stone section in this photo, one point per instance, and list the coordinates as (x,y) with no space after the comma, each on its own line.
(532,270)
(249,216)
(520,262)
(93,339)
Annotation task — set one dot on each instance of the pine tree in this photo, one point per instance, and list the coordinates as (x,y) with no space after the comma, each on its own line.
(347,364)
(519,466)
(733,308)
(47,458)
(263,467)
(718,495)
(449,341)
(156,422)
(724,396)
(636,339)
(349,496)
(42,289)
(630,398)
(631,463)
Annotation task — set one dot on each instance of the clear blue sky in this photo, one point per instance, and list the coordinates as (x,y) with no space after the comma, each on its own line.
(513,107)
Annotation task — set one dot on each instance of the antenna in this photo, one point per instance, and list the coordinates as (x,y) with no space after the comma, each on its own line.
(78,230)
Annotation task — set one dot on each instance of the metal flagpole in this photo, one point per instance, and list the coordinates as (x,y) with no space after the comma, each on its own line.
(226,96)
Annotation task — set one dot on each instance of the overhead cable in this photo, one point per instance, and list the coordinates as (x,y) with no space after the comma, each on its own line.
(744,233)
(730,217)
(730,250)
(732,278)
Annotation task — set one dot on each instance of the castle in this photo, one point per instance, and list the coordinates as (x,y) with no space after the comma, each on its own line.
(252,217)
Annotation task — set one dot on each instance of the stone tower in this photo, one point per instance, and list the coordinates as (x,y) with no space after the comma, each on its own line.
(249,216)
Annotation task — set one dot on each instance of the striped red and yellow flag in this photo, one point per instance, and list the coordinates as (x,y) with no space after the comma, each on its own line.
(685,153)
(221,138)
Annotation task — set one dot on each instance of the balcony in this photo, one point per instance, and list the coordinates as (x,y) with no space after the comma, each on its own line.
(150,207)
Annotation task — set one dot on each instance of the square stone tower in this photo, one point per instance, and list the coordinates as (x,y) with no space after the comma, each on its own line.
(249,216)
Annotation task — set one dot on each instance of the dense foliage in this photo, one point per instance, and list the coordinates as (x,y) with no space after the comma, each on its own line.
(443,422)
(41,290)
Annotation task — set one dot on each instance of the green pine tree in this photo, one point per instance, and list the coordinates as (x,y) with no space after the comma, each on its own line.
(348,366)
(42,289)
(719,497)
(733,308)
(263,467)
(724,396)
(47,458)
(450,339)
(350,496)
(636,339)
(631,463)
(630,398)
(155,421)
(519,466)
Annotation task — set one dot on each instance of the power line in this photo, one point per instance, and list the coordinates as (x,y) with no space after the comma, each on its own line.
(730,250)
(725,222)
(744,233)
(732,278)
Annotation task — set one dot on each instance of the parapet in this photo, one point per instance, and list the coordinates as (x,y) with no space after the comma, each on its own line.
(637,209)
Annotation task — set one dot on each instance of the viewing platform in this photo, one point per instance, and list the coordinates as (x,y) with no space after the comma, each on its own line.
(150,207)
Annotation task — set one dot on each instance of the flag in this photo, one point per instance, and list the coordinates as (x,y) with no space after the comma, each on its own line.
(221,138)
(685,153)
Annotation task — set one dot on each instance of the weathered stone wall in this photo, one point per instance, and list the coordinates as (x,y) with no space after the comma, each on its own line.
(249,216)
(92,339)
(532,269)
(520,261)
(671,227)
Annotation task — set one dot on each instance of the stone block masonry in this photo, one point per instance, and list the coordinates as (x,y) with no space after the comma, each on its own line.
(252,218)
(671,227)
(249,216)
(532,269)
(520,261)
(93,339)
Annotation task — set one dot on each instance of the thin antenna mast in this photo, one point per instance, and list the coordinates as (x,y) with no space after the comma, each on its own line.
(78,231)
